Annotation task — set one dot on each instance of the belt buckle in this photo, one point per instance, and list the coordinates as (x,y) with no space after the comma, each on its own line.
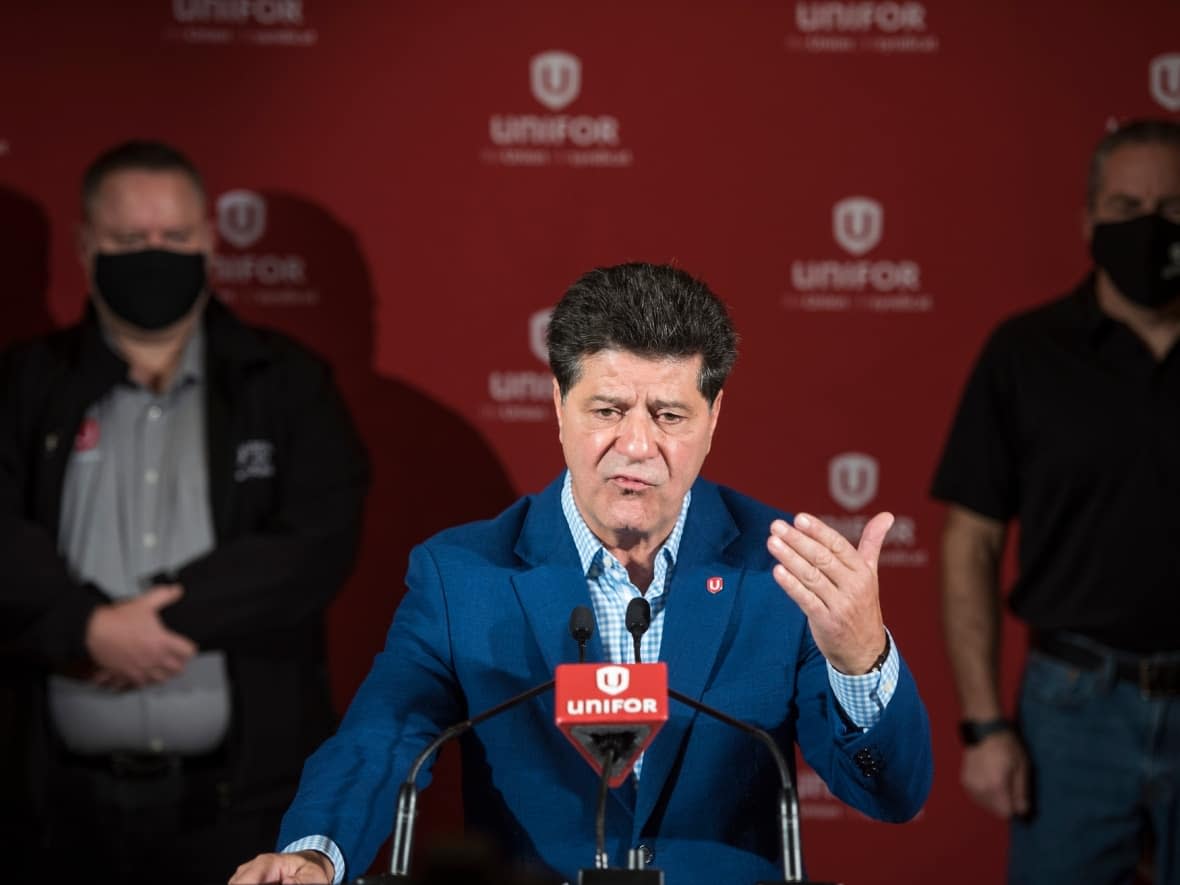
(139,766)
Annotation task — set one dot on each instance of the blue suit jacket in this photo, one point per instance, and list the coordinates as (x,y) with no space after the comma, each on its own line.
(486,616)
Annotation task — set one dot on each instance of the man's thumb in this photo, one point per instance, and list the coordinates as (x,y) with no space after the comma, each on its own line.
(163,596)
(873,537)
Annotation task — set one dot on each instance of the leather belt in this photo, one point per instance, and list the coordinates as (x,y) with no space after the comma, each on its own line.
(1157,676)
(134,766)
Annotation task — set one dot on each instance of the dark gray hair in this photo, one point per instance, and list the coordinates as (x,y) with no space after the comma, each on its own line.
(650,310)
(1145,131)
(139,155)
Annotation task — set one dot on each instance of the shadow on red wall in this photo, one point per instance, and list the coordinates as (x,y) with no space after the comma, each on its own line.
(25,313)
(306,274)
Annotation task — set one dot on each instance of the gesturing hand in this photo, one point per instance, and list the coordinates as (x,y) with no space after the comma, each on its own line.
(835,584)
(130,644)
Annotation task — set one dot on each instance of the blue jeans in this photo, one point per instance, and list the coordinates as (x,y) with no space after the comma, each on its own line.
(1105,770)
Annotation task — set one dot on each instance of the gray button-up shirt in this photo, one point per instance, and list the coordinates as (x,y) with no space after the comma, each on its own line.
(136,504)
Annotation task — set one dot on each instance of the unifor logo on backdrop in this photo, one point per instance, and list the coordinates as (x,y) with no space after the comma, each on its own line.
(556,78)
(224,22)
(241,218)
(1164,75)
(853,483)
(837,284)
(887,28)
(264,276)
(522,395)
(857,223)
(579,140)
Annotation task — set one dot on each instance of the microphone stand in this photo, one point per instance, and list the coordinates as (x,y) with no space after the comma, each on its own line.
(601,861)
(637,621)
(407,795)
(788,798)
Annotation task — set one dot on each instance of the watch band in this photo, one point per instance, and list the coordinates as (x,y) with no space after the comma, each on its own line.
(883,657)
(972,731)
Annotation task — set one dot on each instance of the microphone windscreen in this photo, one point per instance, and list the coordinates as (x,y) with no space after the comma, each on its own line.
(581,623)
(638,617)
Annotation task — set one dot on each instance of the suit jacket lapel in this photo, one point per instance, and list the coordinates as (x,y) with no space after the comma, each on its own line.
(555,583)
(695,621)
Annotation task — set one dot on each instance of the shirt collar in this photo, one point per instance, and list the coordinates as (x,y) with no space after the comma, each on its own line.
(590,548)
(1094,321)
(192,359)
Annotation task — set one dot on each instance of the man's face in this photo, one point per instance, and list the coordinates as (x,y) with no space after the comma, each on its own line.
(1137,179)
(635,432)
(135,210)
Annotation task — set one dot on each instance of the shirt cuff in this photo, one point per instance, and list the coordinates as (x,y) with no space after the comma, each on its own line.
(864,698)
(323,845)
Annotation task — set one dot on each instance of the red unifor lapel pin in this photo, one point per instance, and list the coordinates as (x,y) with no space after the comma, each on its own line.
(715,584)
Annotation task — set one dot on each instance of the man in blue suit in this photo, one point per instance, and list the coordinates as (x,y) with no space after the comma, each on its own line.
(640,354)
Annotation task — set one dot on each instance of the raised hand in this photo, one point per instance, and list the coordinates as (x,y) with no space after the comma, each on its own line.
(835,584)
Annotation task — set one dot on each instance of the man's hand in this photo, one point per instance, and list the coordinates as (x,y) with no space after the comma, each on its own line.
(130,644)
(995,774)
(835,585)
(296,867)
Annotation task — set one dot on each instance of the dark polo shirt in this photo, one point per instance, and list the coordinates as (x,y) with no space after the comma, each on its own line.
(1070,426)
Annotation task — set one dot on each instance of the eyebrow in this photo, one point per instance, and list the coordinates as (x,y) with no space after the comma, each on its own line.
(655,404)
(609,400)
(670,404)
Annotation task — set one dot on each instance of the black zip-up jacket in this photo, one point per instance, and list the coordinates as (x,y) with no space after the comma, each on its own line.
(285,542)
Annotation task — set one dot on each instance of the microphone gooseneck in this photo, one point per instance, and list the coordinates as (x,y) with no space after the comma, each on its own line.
(601,860)
(638,619)
(788,798)
(407,797)
(581,628)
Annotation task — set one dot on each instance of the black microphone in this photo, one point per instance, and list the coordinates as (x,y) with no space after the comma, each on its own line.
(581,628)
(638,619)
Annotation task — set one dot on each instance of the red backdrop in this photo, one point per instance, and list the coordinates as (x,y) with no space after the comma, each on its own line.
(408,186)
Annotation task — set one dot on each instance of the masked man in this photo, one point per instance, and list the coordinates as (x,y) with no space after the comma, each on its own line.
(180,498)
(1070,424)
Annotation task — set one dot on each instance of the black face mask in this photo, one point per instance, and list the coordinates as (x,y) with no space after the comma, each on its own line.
(150,289)
(1142,257)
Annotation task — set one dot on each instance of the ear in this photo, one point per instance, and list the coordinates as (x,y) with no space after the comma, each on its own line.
(87,247)
(557,406)
(714,414)
(84,244)
(209,235)
(1087,227)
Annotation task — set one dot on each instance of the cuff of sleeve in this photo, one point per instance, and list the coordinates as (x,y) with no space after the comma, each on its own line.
(64,636)
(864,698)
(323,845)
